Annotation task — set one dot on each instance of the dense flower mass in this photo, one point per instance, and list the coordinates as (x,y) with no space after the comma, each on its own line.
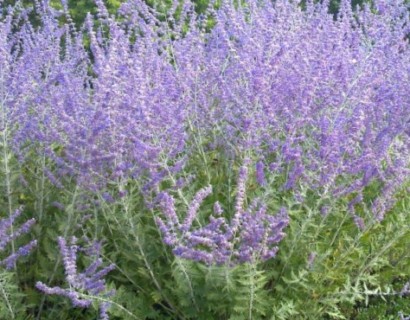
(316,97)
(253,126)
(321,100)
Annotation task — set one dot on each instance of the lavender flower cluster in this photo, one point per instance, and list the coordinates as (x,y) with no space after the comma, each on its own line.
(322,100)
(114,123)
(251,235)
(89,282)
(9,232)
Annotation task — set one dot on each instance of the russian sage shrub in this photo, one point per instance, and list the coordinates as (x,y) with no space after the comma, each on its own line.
(323,100)
(234,171)
(320,106)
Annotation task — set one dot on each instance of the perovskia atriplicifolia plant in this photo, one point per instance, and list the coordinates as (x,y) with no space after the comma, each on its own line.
(250,162)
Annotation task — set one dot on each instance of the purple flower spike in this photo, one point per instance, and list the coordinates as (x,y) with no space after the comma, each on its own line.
(260,175)
(9,233)
(90,281)
(250,235)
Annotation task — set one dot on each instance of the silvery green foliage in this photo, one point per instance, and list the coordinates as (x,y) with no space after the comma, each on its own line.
(10,298)
(10,302)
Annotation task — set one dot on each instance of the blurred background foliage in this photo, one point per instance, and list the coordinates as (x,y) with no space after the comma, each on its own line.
(79,8)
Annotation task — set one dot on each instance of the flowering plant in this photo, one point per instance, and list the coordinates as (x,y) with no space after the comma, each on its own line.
(248,162)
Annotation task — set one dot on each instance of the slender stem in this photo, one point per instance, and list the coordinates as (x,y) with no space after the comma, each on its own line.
(126,208)
(365,265)
(7,172)
(136,285)
(102,299)
(151,272)
(191,290)
(40,189)
(66,230)
(295,242)
(5,298)
(356,241)
(252,289)
(338,229)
